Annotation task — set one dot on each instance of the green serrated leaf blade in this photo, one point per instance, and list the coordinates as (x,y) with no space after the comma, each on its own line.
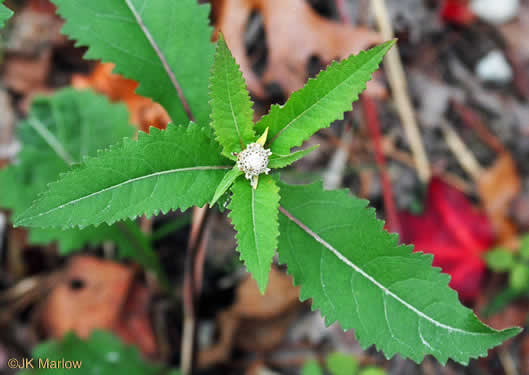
(231,107)
(282,161)
(60,129)
(228,179)
(163,44)
(357,274)
(322,100)
(254,214)
(172,169)
(5,14)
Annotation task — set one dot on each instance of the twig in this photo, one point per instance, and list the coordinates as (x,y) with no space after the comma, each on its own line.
(507,362)
(472,119)
(399,86)
(373,125)
(401,156)
(466,159)
(194,264)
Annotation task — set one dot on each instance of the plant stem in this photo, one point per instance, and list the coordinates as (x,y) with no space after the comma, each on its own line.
(373,125)
(194,265)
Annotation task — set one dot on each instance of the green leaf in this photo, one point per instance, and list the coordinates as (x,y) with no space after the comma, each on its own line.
(59,130)
(322,100)
(5,14)
(311,368)
(357,274)
(163,44)
(372,371)
(519,277)
(176,168)
(524,247)
(342,364)
(231,107)
(281,161)
(228,180)
(102,354)
(254,216)
(499,260)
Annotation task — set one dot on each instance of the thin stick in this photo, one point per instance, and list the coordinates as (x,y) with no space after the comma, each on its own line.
(194,264)
(474,121)
(399,86)
(466,159)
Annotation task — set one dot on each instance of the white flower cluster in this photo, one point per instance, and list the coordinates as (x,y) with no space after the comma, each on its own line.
(253,160)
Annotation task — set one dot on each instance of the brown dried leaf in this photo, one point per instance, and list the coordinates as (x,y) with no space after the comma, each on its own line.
(498,187)
(99,294)
(143,111)
(295,33)
(255,322)
(27,75)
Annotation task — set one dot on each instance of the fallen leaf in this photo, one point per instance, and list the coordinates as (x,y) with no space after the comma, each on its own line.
(454,232)
(255,322)
(99,294)
(143,111)
(295,34)
(27,75)
(457,12)
(498,186)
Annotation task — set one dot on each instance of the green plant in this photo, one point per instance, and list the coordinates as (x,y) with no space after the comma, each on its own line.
(515,264)
(333,245)
(102,354)
(5,13)
(340,364)
(60,131)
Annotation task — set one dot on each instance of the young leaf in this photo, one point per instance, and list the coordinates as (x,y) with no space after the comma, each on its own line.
(357,274)
(500,260)
(226,183)
(311,368)
(102,354)
(163,44)
(254,216)
(231,107)
(5,13)
(282,161)
(176,168)
(322,100)
(60,130)
(342,364)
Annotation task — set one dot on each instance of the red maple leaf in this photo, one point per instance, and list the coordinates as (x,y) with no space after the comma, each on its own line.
(457,12)
(453,231)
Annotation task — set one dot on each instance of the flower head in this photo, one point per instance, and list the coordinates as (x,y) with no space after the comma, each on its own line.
(253,160)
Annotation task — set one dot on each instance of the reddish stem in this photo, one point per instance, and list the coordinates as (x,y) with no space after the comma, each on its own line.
(471,119)
(373,125)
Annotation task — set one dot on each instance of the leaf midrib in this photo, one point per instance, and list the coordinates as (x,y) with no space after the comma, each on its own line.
(370,278)
(113,187)
(163,59)
(319,100)
(231,103)
(51,140)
